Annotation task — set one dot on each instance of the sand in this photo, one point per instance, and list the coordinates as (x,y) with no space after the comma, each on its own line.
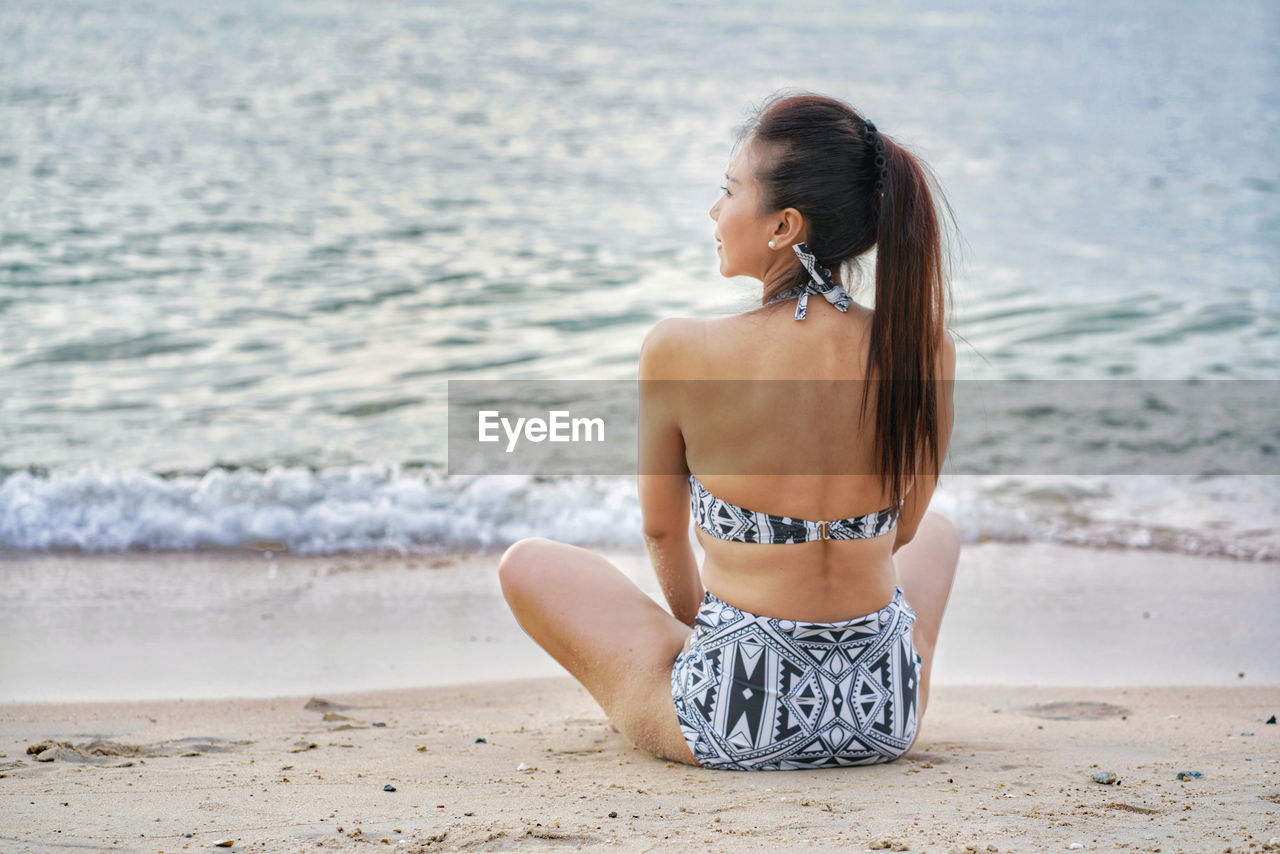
(1005,766)
(1013,735)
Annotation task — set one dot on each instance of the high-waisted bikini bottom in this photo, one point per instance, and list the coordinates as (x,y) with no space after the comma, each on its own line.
(762,694)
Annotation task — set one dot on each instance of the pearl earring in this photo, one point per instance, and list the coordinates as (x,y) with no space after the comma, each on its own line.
(771,246)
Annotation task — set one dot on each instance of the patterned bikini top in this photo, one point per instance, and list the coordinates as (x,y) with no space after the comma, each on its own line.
(728,521)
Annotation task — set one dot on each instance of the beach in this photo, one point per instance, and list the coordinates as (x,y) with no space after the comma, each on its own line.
(254,257)
(1088,665)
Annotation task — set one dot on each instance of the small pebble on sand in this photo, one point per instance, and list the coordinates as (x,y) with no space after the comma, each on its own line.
(388,788)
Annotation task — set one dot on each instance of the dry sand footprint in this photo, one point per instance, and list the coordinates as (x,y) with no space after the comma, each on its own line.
(100,751)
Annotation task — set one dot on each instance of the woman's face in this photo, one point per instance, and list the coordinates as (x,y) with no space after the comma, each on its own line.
(743,232)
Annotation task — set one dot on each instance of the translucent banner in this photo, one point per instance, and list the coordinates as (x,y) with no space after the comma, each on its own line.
(1015,427)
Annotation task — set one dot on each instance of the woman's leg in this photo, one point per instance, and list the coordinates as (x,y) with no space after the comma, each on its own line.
(926,567)
(613,638)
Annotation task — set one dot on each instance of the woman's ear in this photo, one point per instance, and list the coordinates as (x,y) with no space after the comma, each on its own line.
(789,228)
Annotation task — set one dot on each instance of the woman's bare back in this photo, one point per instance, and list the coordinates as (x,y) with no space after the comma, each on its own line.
(774,394)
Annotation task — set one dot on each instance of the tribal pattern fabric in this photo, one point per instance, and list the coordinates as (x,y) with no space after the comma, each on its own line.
(762,694)
(728,521)
(820,282)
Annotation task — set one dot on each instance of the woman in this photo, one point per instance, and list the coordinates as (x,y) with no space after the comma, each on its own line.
(803,642)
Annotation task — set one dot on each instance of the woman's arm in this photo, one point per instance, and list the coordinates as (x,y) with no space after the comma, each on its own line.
(677,571)
(663,474)
(921,493)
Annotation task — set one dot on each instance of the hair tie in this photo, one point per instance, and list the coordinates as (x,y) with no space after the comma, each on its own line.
(881,161)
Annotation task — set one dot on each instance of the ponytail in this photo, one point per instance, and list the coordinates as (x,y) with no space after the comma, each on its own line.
(908,323)
(858,190)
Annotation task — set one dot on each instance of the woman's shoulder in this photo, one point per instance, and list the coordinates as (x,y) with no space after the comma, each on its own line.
(672,346)
(689,347)
(947,356)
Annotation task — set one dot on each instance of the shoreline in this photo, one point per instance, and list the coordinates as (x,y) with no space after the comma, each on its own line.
(156,626)
(447,555)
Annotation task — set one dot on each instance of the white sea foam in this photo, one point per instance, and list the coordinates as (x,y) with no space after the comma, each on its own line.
(335,510)
(372,508)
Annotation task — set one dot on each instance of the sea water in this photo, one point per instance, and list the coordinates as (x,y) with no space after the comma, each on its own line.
(244,245)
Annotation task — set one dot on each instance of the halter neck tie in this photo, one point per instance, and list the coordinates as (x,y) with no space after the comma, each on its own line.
(820,282)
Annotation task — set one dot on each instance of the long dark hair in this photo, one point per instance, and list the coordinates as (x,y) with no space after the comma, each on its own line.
(814,156)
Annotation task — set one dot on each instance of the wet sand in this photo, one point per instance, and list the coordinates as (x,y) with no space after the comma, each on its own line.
(220,624)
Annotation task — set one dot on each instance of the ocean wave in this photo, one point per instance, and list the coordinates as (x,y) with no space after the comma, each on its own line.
(393,508)
(345,509)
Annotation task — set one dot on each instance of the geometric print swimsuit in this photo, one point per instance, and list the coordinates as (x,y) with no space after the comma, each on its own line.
(757,693)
